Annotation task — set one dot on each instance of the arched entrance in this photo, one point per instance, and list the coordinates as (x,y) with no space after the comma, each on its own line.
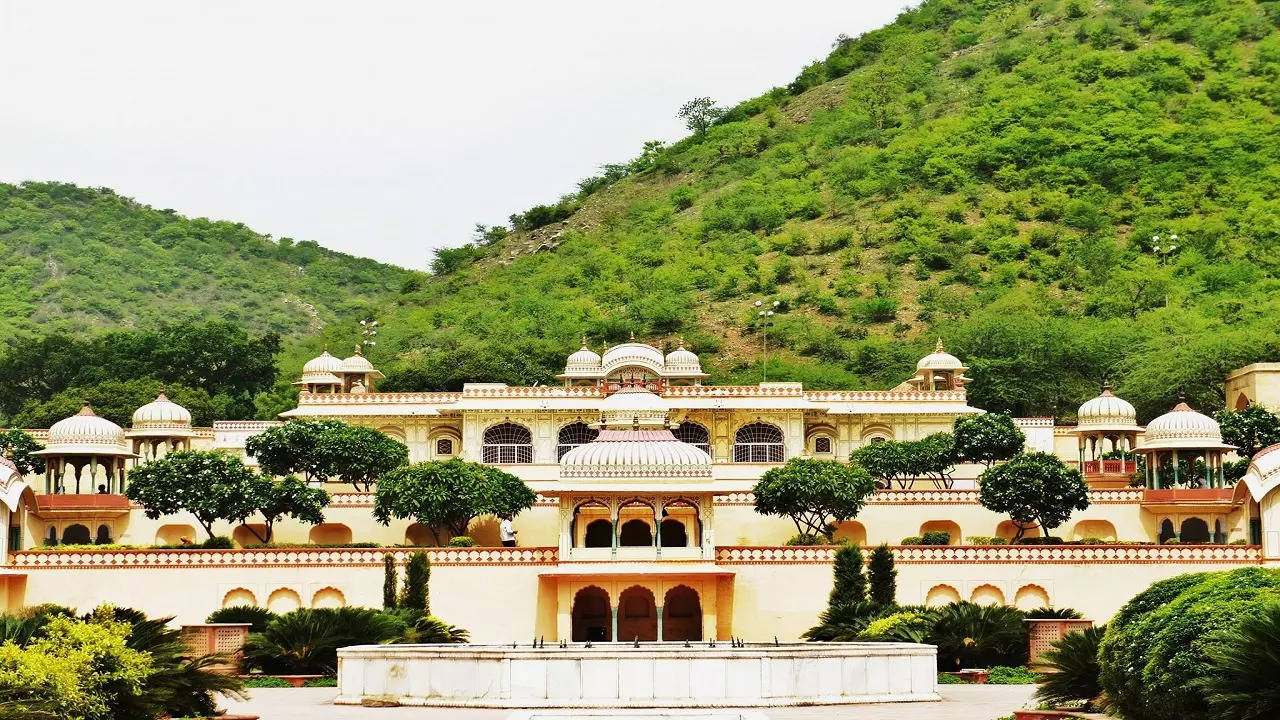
(1166,530)
(76,534)
(673,534)
(635,533)
(1194,530)
(591,615)
(681,614)
(599,534)
(637,615)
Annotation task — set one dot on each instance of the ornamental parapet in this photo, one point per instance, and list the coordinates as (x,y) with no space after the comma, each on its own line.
(277,557)
(885,395)
(406,398)
(1012,554)
(365,499)
(943,497)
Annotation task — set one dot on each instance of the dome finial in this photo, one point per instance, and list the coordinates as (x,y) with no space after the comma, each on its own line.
(358,353)
(633,336)
(87,409)
(584,340)
(680,337)
(938,348)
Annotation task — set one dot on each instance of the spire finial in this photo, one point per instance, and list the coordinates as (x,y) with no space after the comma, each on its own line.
(938,348)
(633,336)
(358,349)
(584,340)
(87,409)
(681,338)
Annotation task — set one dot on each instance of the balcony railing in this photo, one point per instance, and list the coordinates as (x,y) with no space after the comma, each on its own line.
(1109,467)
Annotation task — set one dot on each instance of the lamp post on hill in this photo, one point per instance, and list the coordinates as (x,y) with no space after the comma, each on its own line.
(368,331)
(764,314)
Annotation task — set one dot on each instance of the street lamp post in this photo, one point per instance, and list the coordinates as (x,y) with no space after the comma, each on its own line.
(368,331)
(764,313)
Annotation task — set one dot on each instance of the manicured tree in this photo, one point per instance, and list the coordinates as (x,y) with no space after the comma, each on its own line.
(390,583)
(18,446)
(987,438)
(932,456)
(417,576)
(289,497)
(359,455)
(883,576)
(1250,429)
(816,495)
(211,486)
(885,461)
(324,449)
(850,582)
(448,495)
(1035,489)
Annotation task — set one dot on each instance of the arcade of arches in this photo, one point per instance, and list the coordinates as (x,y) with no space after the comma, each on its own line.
(636,615)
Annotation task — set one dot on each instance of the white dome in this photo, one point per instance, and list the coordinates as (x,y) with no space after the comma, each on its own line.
(940,360)
(681,362)
(358,364)
(161,417)
(1107,412)
(1183,427)
(85,434)
(633,353)
(1265,466)
(584,360)
(635,454)
(325,363)
(632,406)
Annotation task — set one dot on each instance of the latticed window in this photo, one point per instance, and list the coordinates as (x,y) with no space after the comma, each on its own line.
(444,446)
(573,435)
(759,443)
(694,434)
(822,445)
(507,443)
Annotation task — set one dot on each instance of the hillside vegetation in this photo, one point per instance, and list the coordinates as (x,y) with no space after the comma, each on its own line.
(79,260)
(991,173)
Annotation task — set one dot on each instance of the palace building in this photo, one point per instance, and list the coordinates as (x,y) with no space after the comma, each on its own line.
(644,525)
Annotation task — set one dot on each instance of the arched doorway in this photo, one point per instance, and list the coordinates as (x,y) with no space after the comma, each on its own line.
(673,534)
(1194,530)
(1166,530)
(599,534)
(681,614)
(76,534)
(637,615)
(591,615)
(635,533)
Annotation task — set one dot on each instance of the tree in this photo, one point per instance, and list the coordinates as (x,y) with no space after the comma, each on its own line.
(17,446)
(211,486)
(932,456)
(883,576)
(885,461)
(1250,429)
(699,114)
(815,494)
(417,578)
(289,497)
(850,584)
(987,438)
(1035,489)
(390,584)
(324,449)
(447,495)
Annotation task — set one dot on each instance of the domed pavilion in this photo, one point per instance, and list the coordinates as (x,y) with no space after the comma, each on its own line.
(322,374)
(1107,425)
(85,454)
(1180,437)
(160,427)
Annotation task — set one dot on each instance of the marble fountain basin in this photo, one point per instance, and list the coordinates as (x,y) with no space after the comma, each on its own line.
(652,675)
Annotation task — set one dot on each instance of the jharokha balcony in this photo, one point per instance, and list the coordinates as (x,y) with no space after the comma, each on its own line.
(1213,500)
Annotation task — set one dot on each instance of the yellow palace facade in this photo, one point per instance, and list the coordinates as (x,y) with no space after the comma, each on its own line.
(644,525)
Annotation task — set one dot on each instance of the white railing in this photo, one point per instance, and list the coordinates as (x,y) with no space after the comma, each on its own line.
(944,554)
(277,557)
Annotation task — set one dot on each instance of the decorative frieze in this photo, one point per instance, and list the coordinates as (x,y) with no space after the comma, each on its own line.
(1018,554)
(277,557)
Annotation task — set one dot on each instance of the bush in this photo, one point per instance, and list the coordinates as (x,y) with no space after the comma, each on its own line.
(1074,662)
(970,635)
(913,540)
(218,542)
(1051,613)
(306,642)
(882,576)
(461,541)
(417,579)
(1004,675)
(909,626)
(843,623)
(258,618)
(850,584)
(945,679)
(326,681)
(266,682)
(1245,667)
(936,537)
(1163,639)
(806,539)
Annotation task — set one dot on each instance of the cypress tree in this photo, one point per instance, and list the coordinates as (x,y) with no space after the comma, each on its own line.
(850,582)
(884,586)
(389,582)
(417,575)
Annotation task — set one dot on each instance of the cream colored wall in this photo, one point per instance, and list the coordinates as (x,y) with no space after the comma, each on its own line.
(1260,383)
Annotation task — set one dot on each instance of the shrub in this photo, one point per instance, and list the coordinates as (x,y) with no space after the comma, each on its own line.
(1169,633)
(850,584)
(978,540)
(461,541)
(266,682)
(1074,661)
(326,681)
(843,623)
(806,539)
(913,540)
(417,578)
(946,679)
(306,641)
(882,576)
(1245,666)
(909,626)
(390,582)
(936,537)
(432,630)
(257,617)
(970,635)
(1051,613)
(218,542)
(1005,675)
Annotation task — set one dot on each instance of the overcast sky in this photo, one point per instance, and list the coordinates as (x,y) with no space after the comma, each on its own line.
(382,129)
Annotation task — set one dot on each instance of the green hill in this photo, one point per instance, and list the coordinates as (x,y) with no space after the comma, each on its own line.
(79,260)
(991,173)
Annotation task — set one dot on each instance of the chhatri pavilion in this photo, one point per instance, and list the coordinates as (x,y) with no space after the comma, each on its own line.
(644,525)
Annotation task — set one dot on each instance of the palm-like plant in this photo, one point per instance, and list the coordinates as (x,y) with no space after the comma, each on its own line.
(971,635)
(1052,613)
(257,617)
(843,622)
(1246,662)
(307,641)
(1074,662)
(430,630)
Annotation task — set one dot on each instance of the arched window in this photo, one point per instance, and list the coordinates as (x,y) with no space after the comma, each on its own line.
(103,537)
(573,435)
(694,434)
(757,443)
(507,443)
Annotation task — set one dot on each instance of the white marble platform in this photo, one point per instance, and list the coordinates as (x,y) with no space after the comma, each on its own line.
(661,675)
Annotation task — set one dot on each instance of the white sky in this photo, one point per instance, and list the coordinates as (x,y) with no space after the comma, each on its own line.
(382,128)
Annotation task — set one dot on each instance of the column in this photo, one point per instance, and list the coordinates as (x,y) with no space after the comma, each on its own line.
(1153,463)
(660,623)
(613,632)
(1176,470)
(1208,470)
(657,543)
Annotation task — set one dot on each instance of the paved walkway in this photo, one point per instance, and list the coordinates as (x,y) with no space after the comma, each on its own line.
(959,702)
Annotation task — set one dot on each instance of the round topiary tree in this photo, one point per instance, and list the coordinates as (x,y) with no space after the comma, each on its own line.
(1163,640)
(1035,489)
(816,495)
